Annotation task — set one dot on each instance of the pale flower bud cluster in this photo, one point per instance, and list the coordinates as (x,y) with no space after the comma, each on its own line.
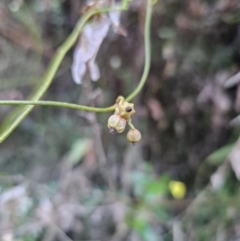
(122,115)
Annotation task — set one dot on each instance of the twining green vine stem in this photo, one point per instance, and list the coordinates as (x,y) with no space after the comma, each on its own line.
(57,104)
(147,43)
(17,116)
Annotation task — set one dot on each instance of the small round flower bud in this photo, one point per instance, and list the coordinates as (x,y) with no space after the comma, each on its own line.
(134,135)
(116,124)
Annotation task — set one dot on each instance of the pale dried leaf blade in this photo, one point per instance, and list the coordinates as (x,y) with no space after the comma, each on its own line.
(219,176)
(93,70)
(114,17)
(78,66)
(90,41)
(115,20)
(95,34)
(235,79)
(178,234)
(234,159)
